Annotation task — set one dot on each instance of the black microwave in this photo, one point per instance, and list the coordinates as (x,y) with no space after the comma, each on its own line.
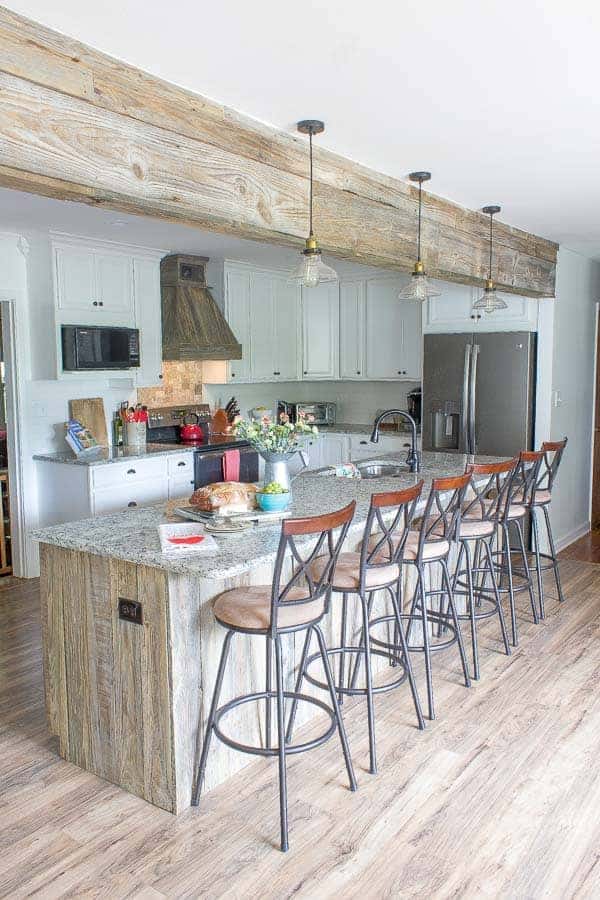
(87,347)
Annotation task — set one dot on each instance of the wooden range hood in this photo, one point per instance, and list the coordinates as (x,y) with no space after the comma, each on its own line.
(193,326)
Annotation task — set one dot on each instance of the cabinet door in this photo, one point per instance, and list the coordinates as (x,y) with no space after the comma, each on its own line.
(411,360)
(320,331)
(335,449)
(144,493)
(384,330)
(286,337)
(237,311)
(262,330)
(146,289)
(453,312)
(352,329)
(75,279)
(114,283)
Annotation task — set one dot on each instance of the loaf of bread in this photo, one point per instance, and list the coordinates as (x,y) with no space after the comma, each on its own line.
(225,497)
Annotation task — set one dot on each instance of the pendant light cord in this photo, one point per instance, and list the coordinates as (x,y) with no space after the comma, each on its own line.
(491,243)
(419,226)
(310,202)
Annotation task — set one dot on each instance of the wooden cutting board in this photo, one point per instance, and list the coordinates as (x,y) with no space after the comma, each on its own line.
(90,412)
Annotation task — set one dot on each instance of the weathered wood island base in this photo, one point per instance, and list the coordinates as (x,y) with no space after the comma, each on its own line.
(127,700)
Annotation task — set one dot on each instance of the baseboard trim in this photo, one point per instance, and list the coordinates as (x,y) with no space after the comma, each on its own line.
(573,536)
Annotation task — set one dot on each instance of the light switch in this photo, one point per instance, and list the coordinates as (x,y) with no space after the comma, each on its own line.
(556,399)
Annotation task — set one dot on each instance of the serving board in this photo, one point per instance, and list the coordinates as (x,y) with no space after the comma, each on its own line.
(90,412)
(257,516)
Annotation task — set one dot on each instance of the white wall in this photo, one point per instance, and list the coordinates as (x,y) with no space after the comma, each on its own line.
(573,354)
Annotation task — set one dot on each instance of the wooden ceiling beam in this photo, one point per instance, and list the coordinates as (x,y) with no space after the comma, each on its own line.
(77,124)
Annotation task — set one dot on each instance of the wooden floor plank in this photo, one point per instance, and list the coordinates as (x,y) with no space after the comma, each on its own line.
(499,797)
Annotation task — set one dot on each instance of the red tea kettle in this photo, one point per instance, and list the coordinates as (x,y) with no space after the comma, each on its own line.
(191,431)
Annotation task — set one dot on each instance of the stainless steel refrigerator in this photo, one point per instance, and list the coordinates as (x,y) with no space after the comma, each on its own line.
(479,392)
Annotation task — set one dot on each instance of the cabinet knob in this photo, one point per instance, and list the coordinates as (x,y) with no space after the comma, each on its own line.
(276,373)
(131,471)
(357,372)
(101,303)
(95,303)
(305,373)
(364,442)
(181,464)
(161,375)
(233,374)
(132,503)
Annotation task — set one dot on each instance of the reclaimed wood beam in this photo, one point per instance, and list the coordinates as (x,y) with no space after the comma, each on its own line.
(76,124)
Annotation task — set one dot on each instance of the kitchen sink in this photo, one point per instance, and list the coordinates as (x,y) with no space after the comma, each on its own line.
(376,469)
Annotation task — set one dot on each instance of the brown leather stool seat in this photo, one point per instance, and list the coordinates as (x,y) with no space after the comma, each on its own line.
(250,608)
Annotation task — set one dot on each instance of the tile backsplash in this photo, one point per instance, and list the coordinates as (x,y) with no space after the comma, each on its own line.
(181,383)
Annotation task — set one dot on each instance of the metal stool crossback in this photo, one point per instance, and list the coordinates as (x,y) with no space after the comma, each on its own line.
(286,606)
(477,530)
(424,549)
(377,567)
(540,499)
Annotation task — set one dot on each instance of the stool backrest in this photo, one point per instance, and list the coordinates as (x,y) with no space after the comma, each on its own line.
(383,541)
(488,491)
(523,479)
(442,512)
(553,451)
(328,532)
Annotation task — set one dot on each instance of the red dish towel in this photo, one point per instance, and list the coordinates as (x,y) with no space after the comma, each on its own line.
(231,465)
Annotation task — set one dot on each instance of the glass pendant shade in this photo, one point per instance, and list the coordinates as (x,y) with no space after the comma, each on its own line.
(419,288)
(311,270)
(490,300)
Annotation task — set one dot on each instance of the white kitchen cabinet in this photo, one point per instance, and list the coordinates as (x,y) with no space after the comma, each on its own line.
(146,290)
(453,312)
(237,313)
(335,449)
(393,333)
(352,329)
(97,283)
(113,500)
(320,332)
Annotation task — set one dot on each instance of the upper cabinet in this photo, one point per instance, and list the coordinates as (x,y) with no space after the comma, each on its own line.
(352,329)
(453,312)
(98,284)
(320,331)
(237,312)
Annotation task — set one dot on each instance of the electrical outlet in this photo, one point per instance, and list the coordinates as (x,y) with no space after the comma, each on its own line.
(130,610)
(556,399)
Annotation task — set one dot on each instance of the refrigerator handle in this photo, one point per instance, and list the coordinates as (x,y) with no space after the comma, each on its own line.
(464,419)
(472,389)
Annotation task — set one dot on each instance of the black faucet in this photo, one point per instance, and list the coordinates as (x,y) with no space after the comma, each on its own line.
(412,460)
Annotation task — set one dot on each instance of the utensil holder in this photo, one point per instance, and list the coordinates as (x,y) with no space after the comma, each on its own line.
(135,434)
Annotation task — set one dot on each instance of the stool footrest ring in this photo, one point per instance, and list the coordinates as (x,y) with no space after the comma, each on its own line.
(350,691)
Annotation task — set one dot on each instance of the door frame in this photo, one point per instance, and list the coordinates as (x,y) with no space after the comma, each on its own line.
(12,345)
(595,412)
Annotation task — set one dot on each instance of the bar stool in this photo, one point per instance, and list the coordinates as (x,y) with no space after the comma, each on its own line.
(284,607)
(377,567)
(425,548)
(477,530)
(520,487)
(540,499)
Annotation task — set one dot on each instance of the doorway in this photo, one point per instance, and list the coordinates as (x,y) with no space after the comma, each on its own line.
(11,497)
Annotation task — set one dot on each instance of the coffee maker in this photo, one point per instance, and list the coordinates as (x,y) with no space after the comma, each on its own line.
(413,402)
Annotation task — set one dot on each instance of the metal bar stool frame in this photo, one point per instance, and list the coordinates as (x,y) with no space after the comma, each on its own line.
(323,529)
(489,489)
(389,519)
(439,524)
(521,485)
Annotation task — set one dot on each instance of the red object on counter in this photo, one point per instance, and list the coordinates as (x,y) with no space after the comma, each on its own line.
(191,431)
(190,539)
(231,465)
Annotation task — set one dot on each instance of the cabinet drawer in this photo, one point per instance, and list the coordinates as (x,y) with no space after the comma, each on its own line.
(111,500)
(116,474)
(180,465)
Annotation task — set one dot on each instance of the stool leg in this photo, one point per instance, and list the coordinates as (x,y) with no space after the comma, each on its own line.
(490,569)
(299,680)
(211,719)
(343,644)
(369,682)
(461,646)
(283,816)
(426,647)
(336,708)
(268,680)
(538,561)
(555,565)
(397,601)
(471,601)
(519,528)
(511,587)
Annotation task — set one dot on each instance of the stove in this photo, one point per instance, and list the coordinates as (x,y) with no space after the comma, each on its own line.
(164,426)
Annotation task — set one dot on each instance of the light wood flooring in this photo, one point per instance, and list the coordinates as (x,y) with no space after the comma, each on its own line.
(500,797)
(586,549)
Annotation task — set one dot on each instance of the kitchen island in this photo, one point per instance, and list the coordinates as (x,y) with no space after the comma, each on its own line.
(128,699)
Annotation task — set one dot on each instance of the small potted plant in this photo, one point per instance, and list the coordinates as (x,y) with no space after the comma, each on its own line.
(277,443)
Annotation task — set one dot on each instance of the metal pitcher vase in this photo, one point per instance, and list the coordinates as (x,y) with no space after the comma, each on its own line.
(277,467)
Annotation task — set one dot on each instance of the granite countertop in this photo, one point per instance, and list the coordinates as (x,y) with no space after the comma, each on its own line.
(133,536)
(100,456)
(346,428)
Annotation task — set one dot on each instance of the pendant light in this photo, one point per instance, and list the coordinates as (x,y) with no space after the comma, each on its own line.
(419,287)
(311,270)
(489,300)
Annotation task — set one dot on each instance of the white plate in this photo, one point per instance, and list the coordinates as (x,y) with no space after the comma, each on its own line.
(226,527)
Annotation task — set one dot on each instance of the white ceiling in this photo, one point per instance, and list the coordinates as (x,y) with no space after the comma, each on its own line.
(499,100)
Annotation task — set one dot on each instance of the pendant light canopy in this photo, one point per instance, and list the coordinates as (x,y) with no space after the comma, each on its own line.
(489,300)
(419,286)
(311,270)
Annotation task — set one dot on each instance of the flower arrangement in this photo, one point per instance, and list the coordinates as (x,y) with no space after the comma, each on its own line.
(268,436)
